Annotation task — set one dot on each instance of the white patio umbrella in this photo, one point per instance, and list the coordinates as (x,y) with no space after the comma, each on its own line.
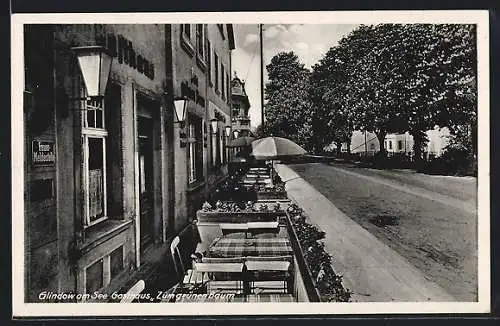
(274,148)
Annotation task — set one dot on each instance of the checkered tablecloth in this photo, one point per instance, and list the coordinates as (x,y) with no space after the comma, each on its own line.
(240,247)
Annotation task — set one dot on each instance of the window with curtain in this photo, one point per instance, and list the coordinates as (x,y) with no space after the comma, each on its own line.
(194,149)
(94,135)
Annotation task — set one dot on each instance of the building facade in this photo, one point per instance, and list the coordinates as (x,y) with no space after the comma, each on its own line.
(241,105)
(366,143)
(107,179)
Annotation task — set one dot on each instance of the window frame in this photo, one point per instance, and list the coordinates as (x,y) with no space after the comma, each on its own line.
(87,134)
(216,65)
(208,51)
(221,30)
(201,58)
(222,82)
(187,40)
(192,143)
(228,88)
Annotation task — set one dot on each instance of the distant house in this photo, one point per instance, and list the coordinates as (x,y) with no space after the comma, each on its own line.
(367,143)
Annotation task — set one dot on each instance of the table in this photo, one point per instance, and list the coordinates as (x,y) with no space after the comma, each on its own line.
(240,247)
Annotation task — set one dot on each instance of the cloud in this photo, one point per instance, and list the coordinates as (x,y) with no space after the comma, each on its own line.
(251,38)
(297,28)
(273,31)
(310,42)
(302,46)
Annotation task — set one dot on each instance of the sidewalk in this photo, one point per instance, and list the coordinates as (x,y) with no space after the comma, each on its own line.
(371,270)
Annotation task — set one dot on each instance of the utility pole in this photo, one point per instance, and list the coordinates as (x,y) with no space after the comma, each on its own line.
(261,77)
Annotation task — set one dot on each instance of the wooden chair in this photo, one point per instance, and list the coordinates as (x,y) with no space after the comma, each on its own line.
(133,292)
(177,257)
(221,268)
(269,274)
(187,276)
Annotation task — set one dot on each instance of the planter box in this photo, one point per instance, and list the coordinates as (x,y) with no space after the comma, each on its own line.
(304,282)
(238,217)
(271,195)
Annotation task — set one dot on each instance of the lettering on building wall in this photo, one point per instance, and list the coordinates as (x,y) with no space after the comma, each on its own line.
(123,49)
(192,94)
(43,153)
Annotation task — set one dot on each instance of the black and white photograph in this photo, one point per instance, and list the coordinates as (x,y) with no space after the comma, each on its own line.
(251,163)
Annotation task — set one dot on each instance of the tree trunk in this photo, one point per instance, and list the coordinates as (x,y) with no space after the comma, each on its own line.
(339,148)
(419,141)
(381,140)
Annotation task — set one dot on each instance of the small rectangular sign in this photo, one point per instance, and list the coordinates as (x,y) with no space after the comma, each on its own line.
(43,153)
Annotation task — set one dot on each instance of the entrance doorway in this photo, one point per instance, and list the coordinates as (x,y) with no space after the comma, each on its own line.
(146,180)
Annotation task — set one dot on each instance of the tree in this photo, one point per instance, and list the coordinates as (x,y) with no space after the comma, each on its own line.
(330,113)
(287,94)
(410,78)
(368,97)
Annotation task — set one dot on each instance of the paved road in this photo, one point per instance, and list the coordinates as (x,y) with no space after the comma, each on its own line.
(435,220)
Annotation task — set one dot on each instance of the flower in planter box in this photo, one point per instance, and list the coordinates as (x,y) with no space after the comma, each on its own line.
(206,207)
(249,206)
(277,207)
(263,208)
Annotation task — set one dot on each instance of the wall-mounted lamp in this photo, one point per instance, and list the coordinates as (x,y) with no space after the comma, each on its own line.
(180,105)
(95,65)
(236,133)
(228,131)
(214,122)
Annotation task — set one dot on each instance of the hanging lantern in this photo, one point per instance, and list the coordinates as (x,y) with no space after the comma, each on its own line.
(95,65)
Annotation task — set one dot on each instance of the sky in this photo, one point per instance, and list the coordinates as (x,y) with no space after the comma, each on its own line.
(309,42)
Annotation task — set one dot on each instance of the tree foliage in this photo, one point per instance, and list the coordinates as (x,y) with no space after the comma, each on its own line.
(386,78)
(287,93)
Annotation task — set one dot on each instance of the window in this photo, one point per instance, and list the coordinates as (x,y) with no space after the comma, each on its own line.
(222,84)
(372,146)
(221,148)
(94,136)
(216,64)
(186,31)
(195,149)
(209,61)
(228,87)
(200,37)
(236,111)
(221,29)
(390,144)
(400,144)
(187,39)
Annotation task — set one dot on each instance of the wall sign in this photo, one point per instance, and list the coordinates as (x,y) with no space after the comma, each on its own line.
(43,153)
(192,94)
(123,49)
